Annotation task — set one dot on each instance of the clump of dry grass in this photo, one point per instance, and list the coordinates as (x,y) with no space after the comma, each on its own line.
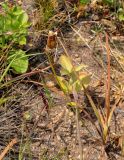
(44,12)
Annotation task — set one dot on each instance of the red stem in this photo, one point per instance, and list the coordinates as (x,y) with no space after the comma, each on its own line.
(108,78)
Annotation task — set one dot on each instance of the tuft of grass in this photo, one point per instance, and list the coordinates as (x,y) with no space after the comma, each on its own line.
(46,10)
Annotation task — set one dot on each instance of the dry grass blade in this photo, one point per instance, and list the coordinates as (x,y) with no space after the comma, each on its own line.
(83,39)
(95,109)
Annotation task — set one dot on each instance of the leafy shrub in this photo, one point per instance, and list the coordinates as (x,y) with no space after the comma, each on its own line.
(13,31)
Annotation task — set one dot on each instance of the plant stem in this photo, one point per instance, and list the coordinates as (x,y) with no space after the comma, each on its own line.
(78,126)
(108,80)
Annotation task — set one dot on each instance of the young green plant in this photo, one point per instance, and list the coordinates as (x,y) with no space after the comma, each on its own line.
(71,81)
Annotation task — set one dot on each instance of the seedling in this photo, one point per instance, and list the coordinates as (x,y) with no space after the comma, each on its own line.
(71,81)
(72,77)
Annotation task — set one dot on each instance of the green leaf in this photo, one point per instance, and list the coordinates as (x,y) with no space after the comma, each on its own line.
(72,104)
(84,1)
(17,10)
(64,72)
(80,67)
(65,62)
(108,1)
(70,88)
(78,86)
(62,83)
(22,40)
(15,24)
(73,78)
(74,85)
(4,100)
(4,6)
(121,17)
(23,18)
(7,24)
(121,14)
(85,79)
(20,62)
(2,19)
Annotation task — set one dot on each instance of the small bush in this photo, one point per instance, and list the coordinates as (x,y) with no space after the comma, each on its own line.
(13,31)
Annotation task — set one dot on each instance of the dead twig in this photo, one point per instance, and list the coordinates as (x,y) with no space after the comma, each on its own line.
(25,75)
(7,148)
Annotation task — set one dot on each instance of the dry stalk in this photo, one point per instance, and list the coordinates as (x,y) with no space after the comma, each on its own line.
(7,148)
(108,80)
(78,126)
